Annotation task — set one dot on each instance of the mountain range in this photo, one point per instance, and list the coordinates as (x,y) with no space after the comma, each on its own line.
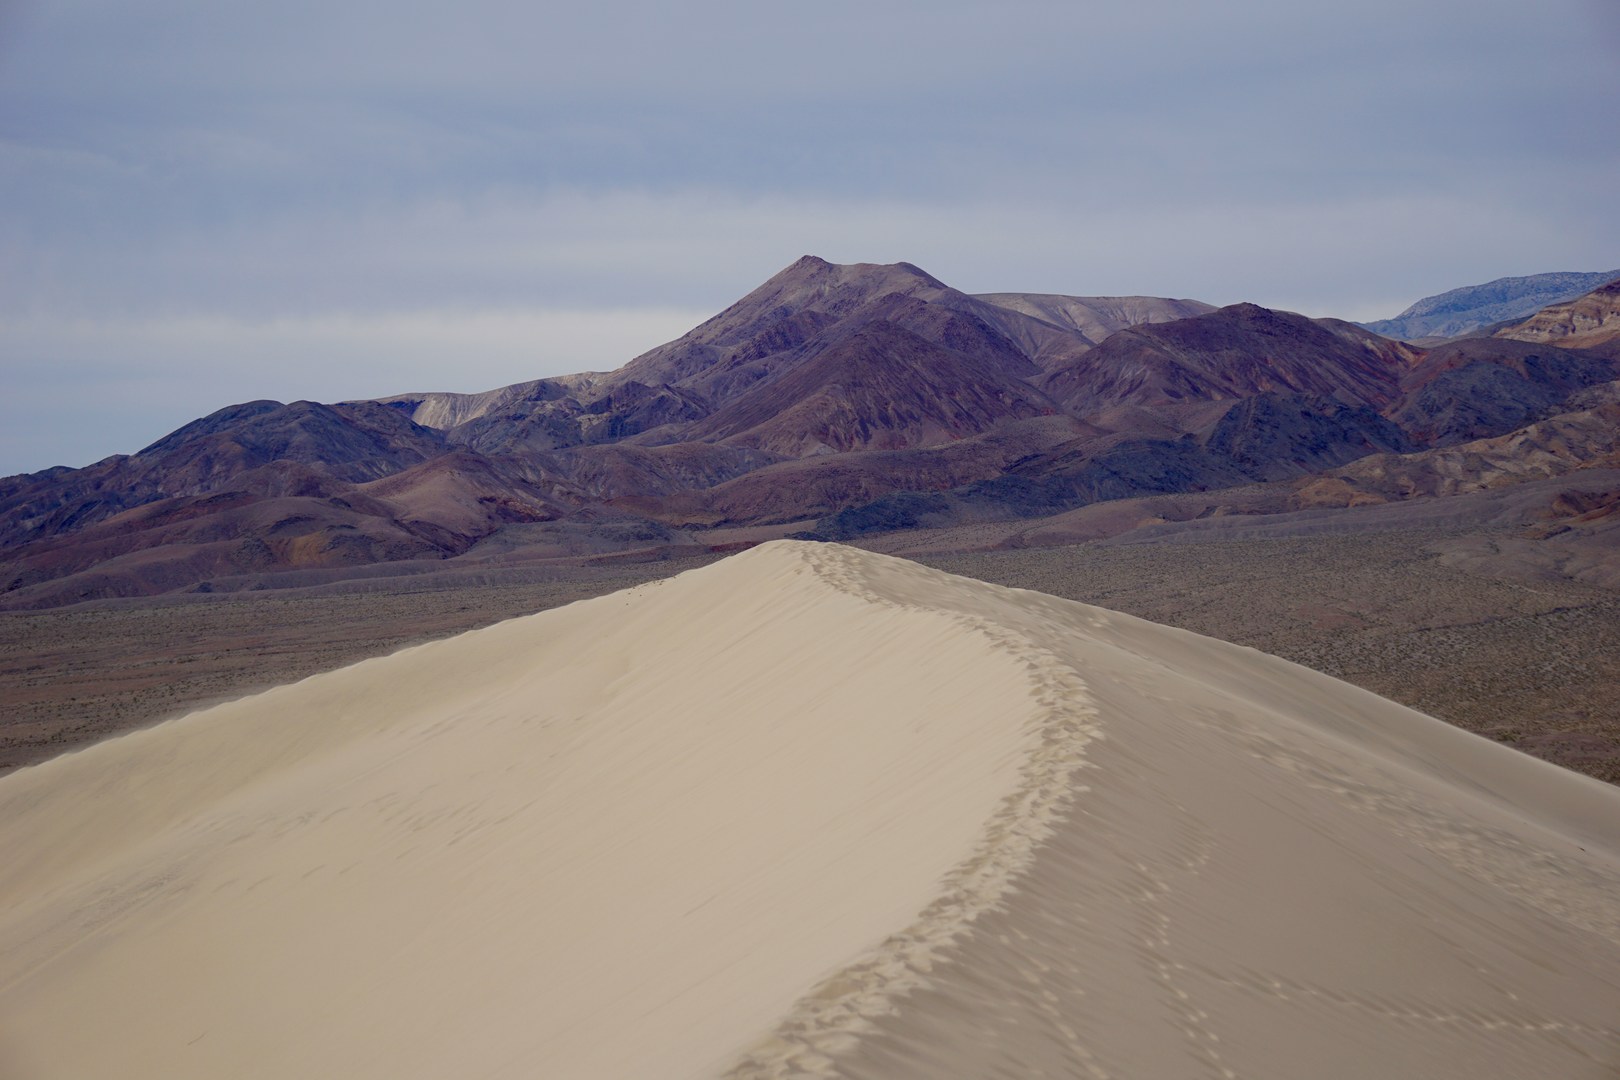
(1476,309)
(832,401)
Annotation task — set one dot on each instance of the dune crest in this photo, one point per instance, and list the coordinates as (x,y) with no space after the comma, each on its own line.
(810,811)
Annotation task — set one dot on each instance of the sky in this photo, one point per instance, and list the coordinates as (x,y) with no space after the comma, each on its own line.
(209,202)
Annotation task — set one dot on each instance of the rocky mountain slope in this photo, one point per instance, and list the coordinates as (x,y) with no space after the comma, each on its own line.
(1475,307)
(1591,321)
(1478,387)
(832,400)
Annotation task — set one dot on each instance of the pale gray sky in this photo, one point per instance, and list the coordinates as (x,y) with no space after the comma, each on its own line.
(208,202)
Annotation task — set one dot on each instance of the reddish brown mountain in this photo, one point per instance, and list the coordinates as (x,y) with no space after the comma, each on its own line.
(881,387)
(1232,353)
(865,397)
(1475,388)
(354,442)
(1562,444)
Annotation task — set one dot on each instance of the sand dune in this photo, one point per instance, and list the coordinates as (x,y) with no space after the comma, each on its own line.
(809,811)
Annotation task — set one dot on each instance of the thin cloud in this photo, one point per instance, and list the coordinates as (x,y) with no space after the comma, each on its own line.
(700,249)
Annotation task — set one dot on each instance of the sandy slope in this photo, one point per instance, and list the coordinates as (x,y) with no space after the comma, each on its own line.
(809,811)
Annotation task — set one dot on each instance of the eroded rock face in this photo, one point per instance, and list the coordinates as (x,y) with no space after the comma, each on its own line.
(1481,387)
(1552,447)
(1277,436)
(1588,321)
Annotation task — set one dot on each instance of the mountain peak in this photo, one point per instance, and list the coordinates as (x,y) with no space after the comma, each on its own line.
(810,263)
(814,268)
(1256,317)
(815,287)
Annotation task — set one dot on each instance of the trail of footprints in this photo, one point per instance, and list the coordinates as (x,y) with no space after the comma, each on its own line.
(833,1018)
(835,1014)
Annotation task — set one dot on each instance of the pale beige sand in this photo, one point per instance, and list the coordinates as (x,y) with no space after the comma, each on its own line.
(810,811)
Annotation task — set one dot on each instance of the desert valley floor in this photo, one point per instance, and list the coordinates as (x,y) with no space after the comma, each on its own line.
(1533,661)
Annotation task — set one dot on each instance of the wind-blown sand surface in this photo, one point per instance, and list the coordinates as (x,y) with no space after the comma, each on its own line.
(809,811)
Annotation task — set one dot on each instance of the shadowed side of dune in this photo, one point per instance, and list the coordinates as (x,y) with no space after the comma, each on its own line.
(1262,872)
